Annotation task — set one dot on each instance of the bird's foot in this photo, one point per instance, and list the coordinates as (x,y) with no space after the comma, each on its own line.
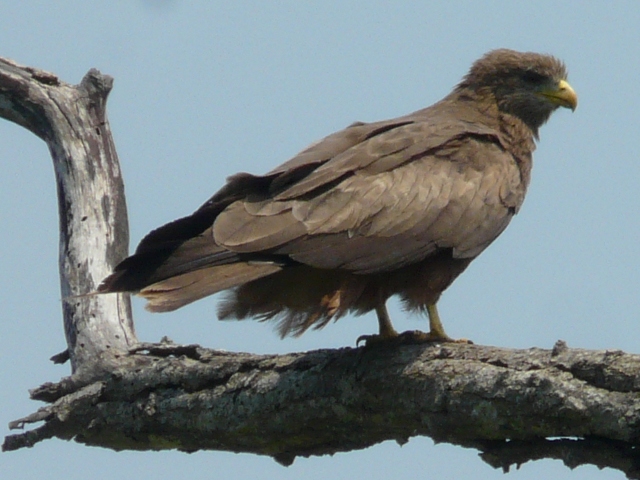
(410,337)
(376,339)
(417,336)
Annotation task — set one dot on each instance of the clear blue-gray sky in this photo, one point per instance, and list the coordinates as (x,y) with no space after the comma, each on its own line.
(206,88)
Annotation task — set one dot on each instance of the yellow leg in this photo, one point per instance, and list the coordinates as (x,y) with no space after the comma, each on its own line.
(387,332)
(389,336)
(436,330)
(386,328)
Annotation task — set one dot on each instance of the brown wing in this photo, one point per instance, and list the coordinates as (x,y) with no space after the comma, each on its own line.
(180,248)
(387,211)
(372,197)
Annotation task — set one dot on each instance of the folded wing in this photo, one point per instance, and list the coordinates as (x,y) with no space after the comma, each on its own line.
(371,198)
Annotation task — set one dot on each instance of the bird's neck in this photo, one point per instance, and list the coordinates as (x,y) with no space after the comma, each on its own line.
(481,107)
(517,135)
(520,137)
(521,141)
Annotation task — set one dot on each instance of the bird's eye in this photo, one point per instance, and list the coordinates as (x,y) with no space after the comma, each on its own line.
(532,77)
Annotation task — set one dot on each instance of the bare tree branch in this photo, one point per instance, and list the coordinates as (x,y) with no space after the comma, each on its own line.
(125,395)
(328,401)
(94,233)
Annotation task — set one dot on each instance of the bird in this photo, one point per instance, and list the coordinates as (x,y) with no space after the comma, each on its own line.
(390,208)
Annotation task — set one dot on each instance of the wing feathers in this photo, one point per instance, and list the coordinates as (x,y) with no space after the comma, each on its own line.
(372,198)
(237,230)
(181,290)
(379,222)
(390,148)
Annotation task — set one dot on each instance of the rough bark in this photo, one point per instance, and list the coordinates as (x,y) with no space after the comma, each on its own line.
(123,395)
(327,401)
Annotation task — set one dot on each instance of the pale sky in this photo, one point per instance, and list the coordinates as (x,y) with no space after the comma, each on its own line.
(204,89)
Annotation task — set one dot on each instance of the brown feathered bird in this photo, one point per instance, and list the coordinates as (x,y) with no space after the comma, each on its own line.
(397,207)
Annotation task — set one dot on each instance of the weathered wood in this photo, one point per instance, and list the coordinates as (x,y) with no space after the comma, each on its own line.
(321,402)
(72,120)
(123,395)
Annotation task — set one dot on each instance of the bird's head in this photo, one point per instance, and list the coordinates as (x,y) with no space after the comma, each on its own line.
(528,85)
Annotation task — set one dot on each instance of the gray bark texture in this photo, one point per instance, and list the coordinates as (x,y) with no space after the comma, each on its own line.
(126,395)
(94,232)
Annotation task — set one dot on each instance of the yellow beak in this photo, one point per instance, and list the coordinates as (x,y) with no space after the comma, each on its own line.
(561,94)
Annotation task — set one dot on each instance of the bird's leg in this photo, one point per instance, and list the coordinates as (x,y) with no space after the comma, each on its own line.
(386,328)
(387,332)
(436,330)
